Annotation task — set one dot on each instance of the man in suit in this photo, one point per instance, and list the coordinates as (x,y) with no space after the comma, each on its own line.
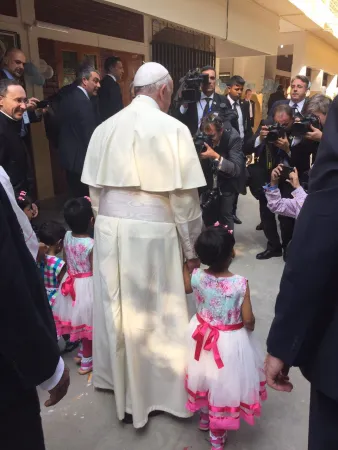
(304,332)
(276,97)
(242,124)
(77,121)
(29,353)
(248,95)
(192,114)
(110,96)
(300,85)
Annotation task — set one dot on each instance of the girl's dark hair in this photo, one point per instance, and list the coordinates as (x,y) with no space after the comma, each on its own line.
(214,247)
(78,214)
(23,200)
(50,233)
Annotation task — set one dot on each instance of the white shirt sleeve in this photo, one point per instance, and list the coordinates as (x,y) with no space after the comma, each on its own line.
(49,384)
(183,109)
(186,209)
(258,142)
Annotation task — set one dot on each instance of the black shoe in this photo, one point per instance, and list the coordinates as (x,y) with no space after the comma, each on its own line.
(259,227)
(267,254)
(128,419)
(285,255)
(237,221)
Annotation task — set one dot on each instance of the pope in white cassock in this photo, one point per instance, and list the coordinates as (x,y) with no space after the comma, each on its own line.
(143,173)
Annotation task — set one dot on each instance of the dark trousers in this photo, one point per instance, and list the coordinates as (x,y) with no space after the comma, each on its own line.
(269,223)
(20,424)
(221,211)
(235,204)
(75,186)
(323,426)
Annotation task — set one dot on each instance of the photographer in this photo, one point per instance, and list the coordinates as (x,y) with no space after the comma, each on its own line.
(318,106)
(224,160)
(192,114)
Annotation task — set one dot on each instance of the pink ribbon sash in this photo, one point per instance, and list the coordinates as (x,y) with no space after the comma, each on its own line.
(68,287)
(212,340)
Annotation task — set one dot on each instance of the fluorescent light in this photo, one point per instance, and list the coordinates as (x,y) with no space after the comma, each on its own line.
(51,26)
(282,46)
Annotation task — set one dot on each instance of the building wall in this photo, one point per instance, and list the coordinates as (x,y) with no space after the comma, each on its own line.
(252,69)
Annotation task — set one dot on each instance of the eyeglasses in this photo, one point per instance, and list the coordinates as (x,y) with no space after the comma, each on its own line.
(19,101)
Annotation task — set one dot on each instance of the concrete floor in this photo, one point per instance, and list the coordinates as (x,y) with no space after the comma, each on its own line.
(86,420)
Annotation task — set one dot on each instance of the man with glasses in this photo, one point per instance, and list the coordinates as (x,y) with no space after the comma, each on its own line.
(13,152)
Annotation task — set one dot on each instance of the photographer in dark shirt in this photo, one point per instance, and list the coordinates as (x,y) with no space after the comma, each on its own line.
(224,160)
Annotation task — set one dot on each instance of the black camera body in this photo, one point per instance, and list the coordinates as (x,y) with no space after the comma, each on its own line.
(199,140)
(192,82)
(276,131)
(304,125)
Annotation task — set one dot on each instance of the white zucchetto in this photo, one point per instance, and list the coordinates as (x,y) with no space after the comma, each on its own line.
(150,73)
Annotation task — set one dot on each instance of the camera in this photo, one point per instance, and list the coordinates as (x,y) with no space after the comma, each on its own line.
(276,131)
(210,197)
(199,140)
(191,85)
(304,125)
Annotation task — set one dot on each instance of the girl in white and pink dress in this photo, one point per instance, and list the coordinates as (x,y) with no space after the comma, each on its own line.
(73,309)
(225,379)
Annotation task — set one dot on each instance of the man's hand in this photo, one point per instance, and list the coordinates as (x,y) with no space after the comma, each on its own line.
(277,374)
(275,175)
(314,135)
(283,144)
(294,179)
(32,104)
(193,264)
(60,390)
(209,153)
(264,132)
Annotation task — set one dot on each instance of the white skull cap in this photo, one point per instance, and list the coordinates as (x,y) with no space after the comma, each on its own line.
(150,73)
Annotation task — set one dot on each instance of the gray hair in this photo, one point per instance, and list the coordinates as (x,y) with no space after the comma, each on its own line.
(84,71)
(319,103)
(152,88)
(5,84)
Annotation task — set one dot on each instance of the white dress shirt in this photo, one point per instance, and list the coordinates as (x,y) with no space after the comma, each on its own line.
(240,116)
(300,105)
(200,107)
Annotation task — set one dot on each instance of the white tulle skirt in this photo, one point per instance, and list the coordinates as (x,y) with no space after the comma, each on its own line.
(232,392)
(75,317)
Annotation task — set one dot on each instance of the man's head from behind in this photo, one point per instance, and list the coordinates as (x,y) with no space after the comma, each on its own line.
(14,62)
(113,66)
(209,88)
(236,87)
(299,87)
(154,80)
(89,79)
(283,115)
(13,100)
(319,106)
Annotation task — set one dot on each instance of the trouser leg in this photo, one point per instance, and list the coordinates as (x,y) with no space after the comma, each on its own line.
(269,225)
(323,425)
(226,210)
(235,204)
(75,186)
(287,225)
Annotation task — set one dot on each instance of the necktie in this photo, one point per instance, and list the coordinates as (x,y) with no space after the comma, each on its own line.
(295,109)
(207,107)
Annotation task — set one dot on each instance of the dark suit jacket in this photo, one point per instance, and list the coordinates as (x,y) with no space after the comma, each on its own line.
(110,98)
(190,118)
(252,119)
(275,97)
(29,353)
(77,122)
(246,119)
(282,102)
(13,154)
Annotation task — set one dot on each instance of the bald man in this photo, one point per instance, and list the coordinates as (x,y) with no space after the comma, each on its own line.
(13,68)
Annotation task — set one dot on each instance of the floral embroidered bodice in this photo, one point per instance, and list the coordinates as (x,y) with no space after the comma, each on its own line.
(77,252)
(219,300)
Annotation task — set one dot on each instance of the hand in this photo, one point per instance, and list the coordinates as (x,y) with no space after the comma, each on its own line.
(276,373)
(60,390)
(193,264)
(35,210)
(264,132)
(294,179)
(249,159)
(275,175)
(43,249)
(314,135)
(283,144)
(209,153)
(32,104)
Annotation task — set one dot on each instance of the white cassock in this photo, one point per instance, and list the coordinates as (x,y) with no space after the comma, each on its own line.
(143,171)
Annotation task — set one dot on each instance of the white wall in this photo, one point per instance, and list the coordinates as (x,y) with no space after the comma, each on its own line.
(320,55)
(252,69)
(227,65)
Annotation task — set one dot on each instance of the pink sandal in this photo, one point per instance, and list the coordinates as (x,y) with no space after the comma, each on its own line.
(218,442)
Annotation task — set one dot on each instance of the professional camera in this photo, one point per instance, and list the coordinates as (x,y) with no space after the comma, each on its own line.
(300,128)
(209,198)
(276,131)
(190,86)
(200,139)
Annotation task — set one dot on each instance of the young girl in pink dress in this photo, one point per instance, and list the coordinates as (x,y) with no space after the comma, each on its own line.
(225,379)
(73,309)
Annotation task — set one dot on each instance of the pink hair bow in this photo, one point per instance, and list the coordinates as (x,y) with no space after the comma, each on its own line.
(87,198)
(217,224)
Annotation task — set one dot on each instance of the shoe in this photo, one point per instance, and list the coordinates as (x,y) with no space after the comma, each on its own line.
(267,254)
(204,422)
(128,419)
(237,221)
(70,346)
(218,443)
(77,360)
(259,227)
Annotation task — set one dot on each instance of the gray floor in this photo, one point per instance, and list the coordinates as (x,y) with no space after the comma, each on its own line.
(86,420)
